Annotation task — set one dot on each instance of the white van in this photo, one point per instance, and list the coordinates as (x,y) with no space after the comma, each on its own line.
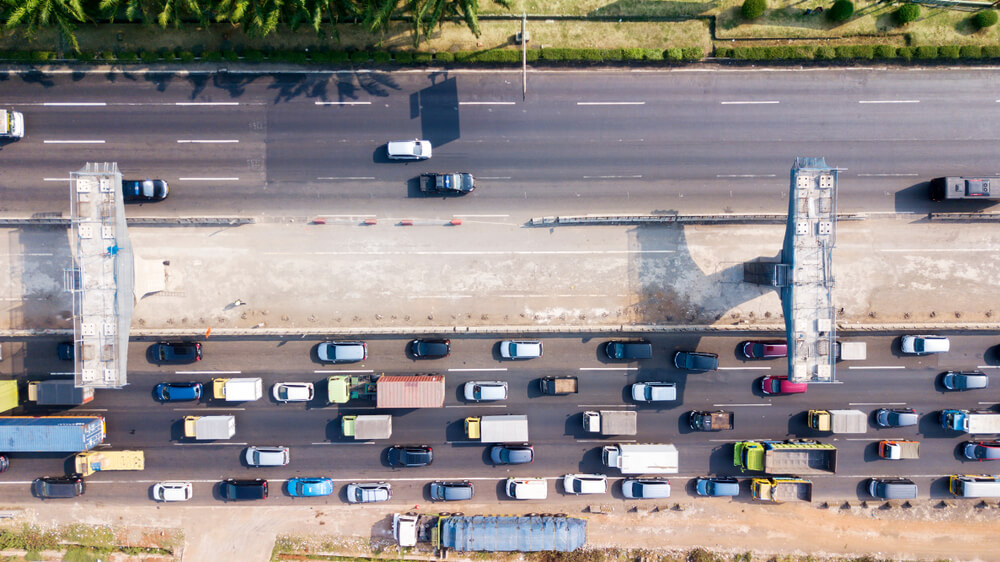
(972,486)
(527,488)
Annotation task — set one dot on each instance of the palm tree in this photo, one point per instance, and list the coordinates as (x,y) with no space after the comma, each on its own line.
(258,18)
(33,15)
(174,11)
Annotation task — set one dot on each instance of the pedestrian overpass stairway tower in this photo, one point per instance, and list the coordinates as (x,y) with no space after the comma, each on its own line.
(803,273)
(101,278)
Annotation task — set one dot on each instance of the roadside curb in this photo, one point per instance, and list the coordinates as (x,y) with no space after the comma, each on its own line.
(761,329)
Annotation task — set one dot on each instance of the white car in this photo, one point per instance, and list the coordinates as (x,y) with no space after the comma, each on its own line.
(585,484)
(267,456)
(485,390)
(409,149)
(172,491)
(510,349)
(922,345)
(293,391)
(654,391)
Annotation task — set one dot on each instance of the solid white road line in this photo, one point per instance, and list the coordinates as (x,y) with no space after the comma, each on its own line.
(764,102)
(877,367)
(746,175)
(988,366)
(186,444)
(209,179)
(55,179)
(477,370)
(744,368)
(876,403)
(209,103)
(477,406)
(609,368)
(481,216)
(345,443)
(487,103)
(343,103)
(207,372)
(611,177)
(75,104)
(346,178)
(73,142)
(886,175)
(344,371)
(605,405)
(348,216)
(610,103)
(208,408)
(605,441)
(888,101)
(209,141)
(744,405)
(984,403)
(494,177)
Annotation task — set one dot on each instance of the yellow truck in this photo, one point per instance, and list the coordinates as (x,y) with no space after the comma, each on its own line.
(98,461)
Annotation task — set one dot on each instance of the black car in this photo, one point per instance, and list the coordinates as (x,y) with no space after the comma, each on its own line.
(696,361)
(410,455)
(628,350)
(233,489)
(58,486)
(143,191)
(430,349)
(176,352)
(66,351)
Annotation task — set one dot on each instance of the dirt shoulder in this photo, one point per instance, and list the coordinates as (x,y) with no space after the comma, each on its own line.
(926,530)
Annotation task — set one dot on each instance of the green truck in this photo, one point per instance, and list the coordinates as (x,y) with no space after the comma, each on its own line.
(796,456)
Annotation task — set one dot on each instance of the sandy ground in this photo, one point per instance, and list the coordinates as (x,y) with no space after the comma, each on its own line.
(927,530)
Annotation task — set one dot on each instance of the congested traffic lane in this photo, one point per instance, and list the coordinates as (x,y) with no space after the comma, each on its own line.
(312,430)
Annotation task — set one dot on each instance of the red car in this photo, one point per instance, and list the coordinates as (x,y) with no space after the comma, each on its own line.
(764,349)
(781,385)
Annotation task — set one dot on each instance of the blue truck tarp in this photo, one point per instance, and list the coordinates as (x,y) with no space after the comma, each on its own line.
(508,533)
(50,434)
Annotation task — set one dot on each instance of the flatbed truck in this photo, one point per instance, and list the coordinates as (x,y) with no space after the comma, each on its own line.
(558,385)
(898,450)
(99,461)
(786,457)
(610,422)
(781,489)
(710,421)
(367,427)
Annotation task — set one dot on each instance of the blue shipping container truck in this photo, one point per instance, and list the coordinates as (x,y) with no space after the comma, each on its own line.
(50,434)
(509,533)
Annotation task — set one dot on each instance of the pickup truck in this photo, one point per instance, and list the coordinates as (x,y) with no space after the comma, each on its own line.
(457,183)
(710,421)
(558,385)
(896,450)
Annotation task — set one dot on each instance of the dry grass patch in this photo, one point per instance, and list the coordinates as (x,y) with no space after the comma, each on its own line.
(643,8)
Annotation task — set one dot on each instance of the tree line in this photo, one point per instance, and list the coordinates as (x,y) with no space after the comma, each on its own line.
(256,18)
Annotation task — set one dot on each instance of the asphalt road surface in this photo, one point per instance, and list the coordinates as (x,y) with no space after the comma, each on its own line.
(606,142)
(312,430)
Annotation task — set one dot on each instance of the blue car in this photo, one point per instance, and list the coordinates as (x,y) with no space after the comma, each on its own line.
(309,487)
(178,391)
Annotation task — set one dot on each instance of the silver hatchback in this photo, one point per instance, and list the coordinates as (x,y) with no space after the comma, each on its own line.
(485,390)
(267,456)
(369,492)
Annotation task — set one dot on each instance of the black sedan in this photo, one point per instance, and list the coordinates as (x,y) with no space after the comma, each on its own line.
(410,455)
(176,352)
(233,489)
(696,361)
(58,486)
(144,191)
(430,348)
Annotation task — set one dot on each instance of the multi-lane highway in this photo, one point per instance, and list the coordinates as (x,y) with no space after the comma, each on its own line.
(312,144)
(312,430)
(610,142)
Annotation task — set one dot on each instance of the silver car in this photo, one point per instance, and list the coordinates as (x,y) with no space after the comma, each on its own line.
(342,351)
(409,149)
(510,349)
(452,491)
(654,391)
(369,492)
(267,456)
(645,488)
(485,390)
